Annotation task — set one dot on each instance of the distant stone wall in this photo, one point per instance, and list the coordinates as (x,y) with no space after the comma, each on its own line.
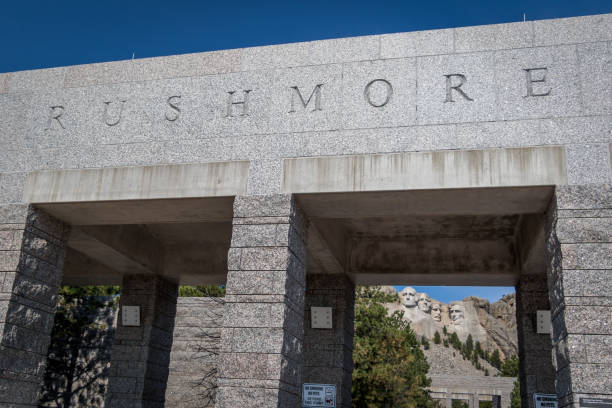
(471,388)
(193,360)
(77,374)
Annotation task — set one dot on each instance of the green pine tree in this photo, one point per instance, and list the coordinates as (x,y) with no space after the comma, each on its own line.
(436,338)
(390,369)
(495,360)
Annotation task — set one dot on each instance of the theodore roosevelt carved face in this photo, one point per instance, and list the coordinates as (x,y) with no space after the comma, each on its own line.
(435,312)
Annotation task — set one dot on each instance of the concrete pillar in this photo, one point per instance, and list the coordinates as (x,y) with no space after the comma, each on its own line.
(260,356)
(535,350)
(579,243)
(32,254)
(141,354)
(328,353)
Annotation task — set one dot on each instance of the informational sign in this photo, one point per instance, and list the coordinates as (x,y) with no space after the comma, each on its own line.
(318,396)
(596,402)
(543,321)
(321,317)
(130,315)
(545,400)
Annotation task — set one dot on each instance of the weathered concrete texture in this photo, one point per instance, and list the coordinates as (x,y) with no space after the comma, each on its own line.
(141,354)
(328,353)
(195,346)
(579,274)
(31,263)
(537,373)
(261,342)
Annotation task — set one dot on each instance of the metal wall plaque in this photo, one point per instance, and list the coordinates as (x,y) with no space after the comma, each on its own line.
(543,321)
(545,400)
(130,315)
(321,317)
(318,396)
(595,402)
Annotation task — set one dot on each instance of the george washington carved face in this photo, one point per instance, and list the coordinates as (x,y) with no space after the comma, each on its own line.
(409,297)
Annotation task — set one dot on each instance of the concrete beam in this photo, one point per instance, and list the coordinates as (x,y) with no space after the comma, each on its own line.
(138,183)
(531,243)
(123,248)
(330,258)
(529,166)
(81,270)
(434,261)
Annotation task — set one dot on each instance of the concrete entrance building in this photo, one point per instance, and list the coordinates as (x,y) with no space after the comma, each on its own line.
(291,173)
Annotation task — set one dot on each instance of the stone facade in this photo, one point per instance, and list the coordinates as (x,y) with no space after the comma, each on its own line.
(32,251)
(261,351)
(161,165)
(579,276)
(141,354)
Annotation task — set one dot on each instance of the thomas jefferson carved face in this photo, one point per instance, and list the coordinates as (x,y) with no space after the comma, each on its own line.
(435,312)
(408,296)
(457,314)
(424,303)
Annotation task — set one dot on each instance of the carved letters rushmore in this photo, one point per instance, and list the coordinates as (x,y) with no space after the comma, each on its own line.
(377,94)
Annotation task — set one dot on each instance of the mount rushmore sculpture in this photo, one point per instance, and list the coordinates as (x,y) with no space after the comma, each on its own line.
(493,325)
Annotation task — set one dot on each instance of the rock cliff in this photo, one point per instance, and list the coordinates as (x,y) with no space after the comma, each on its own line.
(493,325)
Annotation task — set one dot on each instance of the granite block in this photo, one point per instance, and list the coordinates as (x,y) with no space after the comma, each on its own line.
(11,187)
(257,282)
(276,205)
(588,164)
(590,378)
(587,283)
(231,397)
(587,256)
(598,349)
(595,77)
(310,53)
(587,320)
(432,42)
(257,259)
(254,235)
(306,99)
(14,126)
(147,69)
(4,83)
(586,197)
(458,88)
(265,176)
(548,90)
(379,93)
(36,80)
(575,230)
(588,129)
(573,30)
(494,37)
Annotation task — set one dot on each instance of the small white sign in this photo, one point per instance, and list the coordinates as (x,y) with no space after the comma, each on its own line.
(543,321)
(318,396)
(544,400)
(321,317)
(130,315)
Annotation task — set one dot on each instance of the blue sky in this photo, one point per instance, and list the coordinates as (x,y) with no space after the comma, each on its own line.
(43,33)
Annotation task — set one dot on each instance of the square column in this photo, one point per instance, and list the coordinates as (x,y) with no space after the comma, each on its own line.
(141,354)
(31,267)
(260,356)
(579,244)
(328,353)
(536,369)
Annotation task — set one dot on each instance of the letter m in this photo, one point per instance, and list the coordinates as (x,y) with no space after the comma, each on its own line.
(316,93)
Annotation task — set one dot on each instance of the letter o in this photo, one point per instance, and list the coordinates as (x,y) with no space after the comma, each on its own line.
(366,92)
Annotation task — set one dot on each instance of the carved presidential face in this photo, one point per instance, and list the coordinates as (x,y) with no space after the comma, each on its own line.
(435,312)
(424,303)
(457,314)
(408,296)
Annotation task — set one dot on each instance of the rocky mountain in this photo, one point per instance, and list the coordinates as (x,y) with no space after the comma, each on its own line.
(491,324)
